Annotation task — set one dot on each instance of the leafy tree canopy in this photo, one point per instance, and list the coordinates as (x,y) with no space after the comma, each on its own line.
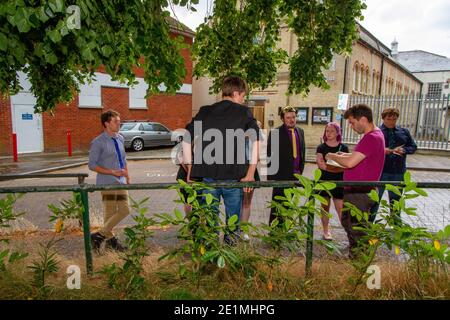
(60,43)
(241,37)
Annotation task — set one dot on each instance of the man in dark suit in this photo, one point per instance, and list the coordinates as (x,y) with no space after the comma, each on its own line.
(291,152)
(219,132)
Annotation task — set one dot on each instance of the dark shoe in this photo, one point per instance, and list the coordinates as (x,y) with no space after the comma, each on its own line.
(231,239)
(97,240)
(114,244)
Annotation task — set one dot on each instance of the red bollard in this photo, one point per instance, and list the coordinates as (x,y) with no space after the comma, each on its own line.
(14,138)
(69,143)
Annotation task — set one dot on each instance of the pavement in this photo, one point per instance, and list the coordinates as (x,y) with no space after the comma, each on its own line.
(433,212)
(47,162)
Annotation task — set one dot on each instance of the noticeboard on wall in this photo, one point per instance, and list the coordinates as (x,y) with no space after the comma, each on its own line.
(322,115)
(302,114)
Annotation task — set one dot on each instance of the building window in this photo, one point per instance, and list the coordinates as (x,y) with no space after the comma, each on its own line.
(434,90)
(374,83)
(361,79)
(366,86)
(398,89)
(355,77)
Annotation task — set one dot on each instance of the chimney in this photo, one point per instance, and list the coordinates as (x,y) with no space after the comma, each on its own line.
(394,48)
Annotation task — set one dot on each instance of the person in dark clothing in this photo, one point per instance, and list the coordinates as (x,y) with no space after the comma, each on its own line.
(219,131)
(290,158)
(398,144)
(332,138)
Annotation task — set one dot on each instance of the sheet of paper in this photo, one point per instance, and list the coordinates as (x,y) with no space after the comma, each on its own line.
(334,163)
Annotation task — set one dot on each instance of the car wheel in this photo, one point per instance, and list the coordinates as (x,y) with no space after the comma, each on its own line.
(137,145)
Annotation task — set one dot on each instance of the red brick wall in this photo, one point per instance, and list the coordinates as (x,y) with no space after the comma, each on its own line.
(5,127)
(84,123)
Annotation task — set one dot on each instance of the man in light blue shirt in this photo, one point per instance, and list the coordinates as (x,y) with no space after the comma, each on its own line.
(107,158)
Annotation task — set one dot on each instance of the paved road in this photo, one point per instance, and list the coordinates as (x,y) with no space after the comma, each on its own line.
(433,212)
(45,161)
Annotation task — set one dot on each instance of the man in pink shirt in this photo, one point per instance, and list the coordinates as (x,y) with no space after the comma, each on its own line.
(365,163)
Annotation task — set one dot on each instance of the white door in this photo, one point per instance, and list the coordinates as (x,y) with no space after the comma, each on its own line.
(28,127)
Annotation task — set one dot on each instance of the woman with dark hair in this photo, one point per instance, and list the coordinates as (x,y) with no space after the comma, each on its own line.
(332,138)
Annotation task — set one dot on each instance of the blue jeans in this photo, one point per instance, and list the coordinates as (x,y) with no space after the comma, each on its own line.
(232,198)
(392,196)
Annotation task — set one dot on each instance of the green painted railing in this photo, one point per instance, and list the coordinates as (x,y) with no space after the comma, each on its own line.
(84,189)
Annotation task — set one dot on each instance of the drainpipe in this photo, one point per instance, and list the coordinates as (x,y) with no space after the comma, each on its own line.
(344,88)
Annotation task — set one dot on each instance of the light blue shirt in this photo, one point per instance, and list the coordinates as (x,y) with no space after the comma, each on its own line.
(102,153)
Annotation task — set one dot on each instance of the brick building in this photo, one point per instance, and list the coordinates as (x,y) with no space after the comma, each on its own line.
(370,70)
(47,133)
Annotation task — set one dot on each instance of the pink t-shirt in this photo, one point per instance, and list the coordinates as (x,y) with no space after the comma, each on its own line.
(372,146)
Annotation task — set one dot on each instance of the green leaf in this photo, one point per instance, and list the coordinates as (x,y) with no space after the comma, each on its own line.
(447,231)
(51,58)
(373,195)
(221,262)
(393,189)
(421,192)
(208,198)
(305,181)
(42,14)
(191,199)
(328,185)
(107,51)
(407,177)
(21,20)
(317,175)
(87,54)
(54,35)
(56,5)
(232,220)
(179,215)
(321,199)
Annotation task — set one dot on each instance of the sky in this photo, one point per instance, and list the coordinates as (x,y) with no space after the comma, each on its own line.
(415,24)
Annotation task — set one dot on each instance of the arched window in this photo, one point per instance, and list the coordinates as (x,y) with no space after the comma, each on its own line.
(366,87)
(355,76)
(361,79)
(386,86)
(374,83)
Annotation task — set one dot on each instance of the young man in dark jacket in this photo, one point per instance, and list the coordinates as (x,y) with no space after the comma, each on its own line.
(219,132)
(289,159)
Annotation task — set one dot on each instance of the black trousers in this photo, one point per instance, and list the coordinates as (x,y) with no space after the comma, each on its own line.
(363,203)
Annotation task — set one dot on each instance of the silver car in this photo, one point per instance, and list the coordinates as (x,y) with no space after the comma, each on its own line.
(141,134)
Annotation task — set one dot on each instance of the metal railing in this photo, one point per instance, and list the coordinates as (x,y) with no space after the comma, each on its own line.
(84,189)
(426,117)
(79,176)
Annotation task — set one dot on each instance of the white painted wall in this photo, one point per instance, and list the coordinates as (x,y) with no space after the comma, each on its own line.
(90,94)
